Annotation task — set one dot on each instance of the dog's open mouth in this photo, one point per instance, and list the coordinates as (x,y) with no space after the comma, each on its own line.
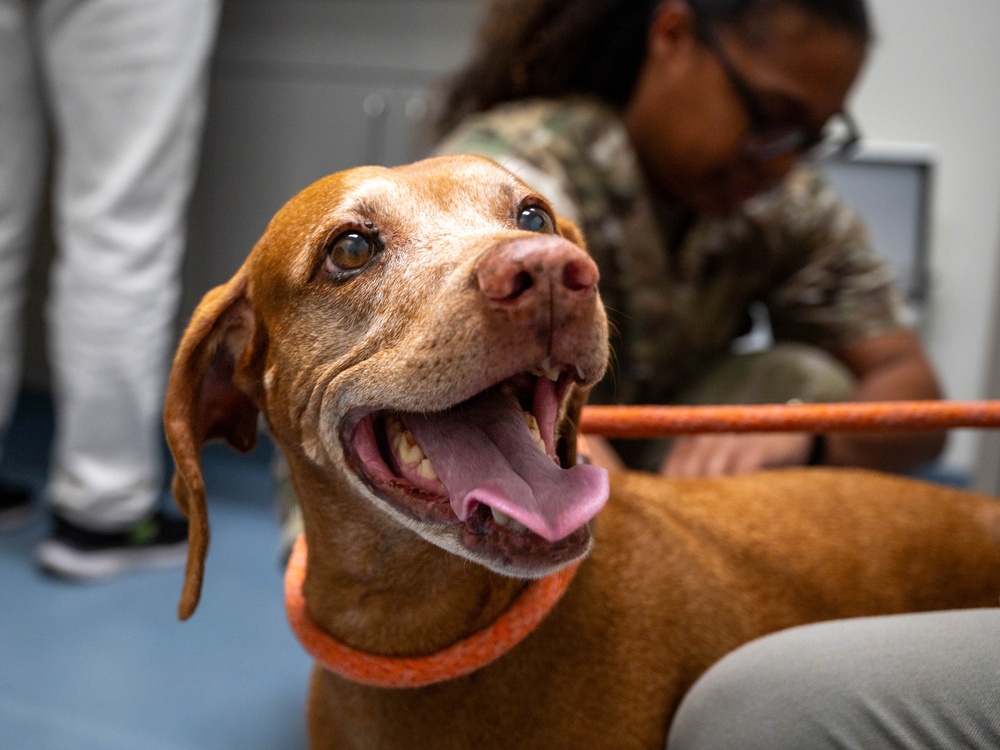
(491,469)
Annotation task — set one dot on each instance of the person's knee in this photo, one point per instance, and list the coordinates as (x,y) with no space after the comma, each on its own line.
(875,682)
(743,702)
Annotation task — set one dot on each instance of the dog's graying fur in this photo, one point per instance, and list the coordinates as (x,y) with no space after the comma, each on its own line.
(446,298)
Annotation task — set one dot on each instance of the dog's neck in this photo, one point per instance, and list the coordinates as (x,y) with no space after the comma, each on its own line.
(458,660)
(377,587)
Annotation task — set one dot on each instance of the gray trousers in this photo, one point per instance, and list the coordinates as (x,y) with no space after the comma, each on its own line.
(906,681)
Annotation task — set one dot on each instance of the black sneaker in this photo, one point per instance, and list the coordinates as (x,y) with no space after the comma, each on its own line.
(16,508)
(158,541)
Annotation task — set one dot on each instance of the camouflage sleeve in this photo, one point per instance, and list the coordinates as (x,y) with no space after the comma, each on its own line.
(535,167)
(833,288)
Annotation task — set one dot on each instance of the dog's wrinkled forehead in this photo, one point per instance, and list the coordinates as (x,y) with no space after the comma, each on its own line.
(450,197)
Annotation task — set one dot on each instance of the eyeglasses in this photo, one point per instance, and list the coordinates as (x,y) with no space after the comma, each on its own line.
(769,139)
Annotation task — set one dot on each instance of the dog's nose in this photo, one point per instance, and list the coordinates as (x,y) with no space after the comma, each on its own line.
(522,273)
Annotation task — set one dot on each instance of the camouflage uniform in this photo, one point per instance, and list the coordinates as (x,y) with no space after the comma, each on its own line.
(677,290)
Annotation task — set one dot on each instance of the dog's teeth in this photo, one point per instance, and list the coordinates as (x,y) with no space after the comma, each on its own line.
(536,434)
(579,373)
(546,369)
(407,448)
(426,470)
(502,519)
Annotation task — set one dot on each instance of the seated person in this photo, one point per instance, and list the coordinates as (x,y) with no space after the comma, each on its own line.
(671,133)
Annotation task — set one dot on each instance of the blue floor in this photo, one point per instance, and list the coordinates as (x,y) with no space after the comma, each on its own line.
(108,666)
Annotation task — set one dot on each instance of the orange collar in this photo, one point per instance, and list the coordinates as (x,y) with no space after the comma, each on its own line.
(457,660)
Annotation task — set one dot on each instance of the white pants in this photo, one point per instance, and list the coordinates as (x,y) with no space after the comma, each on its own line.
(119,86)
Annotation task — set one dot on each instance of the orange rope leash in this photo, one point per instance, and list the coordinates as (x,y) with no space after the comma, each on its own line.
(662,421)
(624,422)
(458,660)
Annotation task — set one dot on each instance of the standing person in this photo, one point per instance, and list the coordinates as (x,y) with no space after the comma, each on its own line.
(117,88)
(671,132)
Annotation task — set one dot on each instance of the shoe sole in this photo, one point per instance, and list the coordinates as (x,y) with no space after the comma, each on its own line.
(61,560)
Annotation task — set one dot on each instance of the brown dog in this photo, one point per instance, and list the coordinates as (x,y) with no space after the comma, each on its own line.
(395,327)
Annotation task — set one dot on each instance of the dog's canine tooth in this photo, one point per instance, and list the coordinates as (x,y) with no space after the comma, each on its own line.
(501,519)
(517,526)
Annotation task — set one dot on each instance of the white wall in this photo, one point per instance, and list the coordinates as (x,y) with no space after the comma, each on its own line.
(932,79)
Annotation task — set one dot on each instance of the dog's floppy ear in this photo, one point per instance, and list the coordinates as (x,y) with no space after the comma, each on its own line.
(205,401)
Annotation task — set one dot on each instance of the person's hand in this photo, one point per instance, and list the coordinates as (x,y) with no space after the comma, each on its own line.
(731,453)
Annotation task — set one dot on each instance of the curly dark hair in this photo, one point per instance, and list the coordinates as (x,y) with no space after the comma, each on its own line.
(555,48)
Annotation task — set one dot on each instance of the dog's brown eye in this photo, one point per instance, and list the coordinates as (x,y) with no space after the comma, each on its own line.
(350,252)
(534,219)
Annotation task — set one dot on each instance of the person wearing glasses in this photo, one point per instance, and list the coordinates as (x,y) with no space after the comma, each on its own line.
(677,135)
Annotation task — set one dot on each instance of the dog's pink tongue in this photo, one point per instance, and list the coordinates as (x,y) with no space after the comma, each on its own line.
(483,452)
